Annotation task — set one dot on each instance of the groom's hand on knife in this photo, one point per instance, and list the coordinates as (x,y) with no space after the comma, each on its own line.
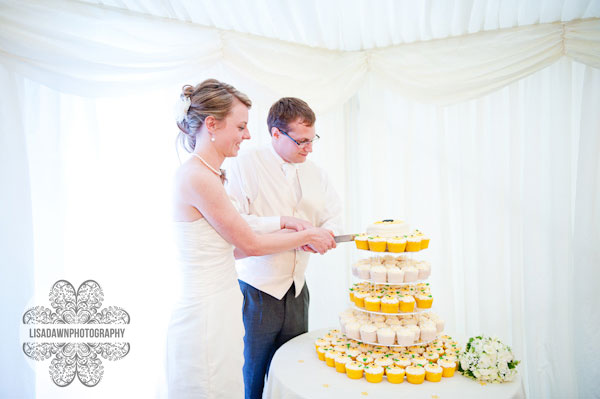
(292,223)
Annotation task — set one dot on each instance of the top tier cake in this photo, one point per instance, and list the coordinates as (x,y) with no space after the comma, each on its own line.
(392,236)
(389,228)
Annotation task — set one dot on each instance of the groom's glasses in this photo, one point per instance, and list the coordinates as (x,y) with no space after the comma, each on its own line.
(302,143)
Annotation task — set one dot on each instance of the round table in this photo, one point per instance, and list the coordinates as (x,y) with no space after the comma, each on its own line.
(296,372)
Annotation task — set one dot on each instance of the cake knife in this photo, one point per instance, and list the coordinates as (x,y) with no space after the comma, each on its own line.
(344,238)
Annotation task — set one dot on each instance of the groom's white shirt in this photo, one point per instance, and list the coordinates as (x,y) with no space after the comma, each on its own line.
(264,185)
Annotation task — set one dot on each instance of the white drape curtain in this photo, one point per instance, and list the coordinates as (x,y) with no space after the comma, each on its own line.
(506,184)
(89,50)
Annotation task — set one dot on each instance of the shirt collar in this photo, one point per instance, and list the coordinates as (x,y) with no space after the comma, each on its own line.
(281,161)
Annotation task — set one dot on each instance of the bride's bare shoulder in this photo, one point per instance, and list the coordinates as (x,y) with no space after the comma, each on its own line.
(193,174)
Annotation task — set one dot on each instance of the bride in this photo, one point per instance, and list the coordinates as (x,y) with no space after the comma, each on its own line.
(205,337)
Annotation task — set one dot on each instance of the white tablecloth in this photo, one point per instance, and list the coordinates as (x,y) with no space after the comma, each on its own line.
(296,372)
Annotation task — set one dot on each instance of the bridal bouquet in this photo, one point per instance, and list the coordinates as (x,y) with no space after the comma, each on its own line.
(487,359)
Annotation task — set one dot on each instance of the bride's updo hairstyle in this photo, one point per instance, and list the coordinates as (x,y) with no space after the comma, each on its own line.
(209,98)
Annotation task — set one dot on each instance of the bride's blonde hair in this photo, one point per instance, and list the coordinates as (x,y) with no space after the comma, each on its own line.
(209,98)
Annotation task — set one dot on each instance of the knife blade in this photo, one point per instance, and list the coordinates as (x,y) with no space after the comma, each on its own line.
(344,238)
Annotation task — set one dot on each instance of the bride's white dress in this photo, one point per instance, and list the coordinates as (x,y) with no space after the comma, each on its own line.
(205,337)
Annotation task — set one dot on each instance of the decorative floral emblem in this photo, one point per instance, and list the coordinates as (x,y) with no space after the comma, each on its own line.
(76,314)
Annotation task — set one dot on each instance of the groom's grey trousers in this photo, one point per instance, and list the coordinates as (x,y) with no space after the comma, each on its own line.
(269,323)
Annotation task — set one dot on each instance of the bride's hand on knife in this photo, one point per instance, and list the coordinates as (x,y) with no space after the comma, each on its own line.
(320,240)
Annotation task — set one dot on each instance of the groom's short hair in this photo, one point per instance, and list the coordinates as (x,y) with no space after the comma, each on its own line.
(287,110)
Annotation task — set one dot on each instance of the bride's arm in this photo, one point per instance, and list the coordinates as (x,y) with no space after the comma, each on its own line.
(239,254)
(204,191)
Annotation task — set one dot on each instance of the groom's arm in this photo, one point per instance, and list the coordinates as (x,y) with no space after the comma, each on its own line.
(238,189)
(242,189)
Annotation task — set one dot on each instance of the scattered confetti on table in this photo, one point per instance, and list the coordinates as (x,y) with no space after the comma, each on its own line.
(325,385)
(300,361)
(365,393)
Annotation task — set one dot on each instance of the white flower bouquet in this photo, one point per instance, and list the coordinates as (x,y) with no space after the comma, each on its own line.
(487,359)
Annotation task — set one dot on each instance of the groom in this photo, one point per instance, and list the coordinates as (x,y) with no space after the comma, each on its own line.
(272,181)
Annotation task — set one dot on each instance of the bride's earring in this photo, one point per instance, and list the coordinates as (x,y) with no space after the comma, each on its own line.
(212,138)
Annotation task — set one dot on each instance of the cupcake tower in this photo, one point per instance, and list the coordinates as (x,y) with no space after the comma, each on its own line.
(390,330)
(415,364)
(391,303)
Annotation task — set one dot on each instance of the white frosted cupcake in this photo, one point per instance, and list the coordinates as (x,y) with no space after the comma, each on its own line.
(379,274)
(419,361)
(439,323)
(405,336)
(428,332)
(364,271)
(402,361)
(365,348)
(395,374)
(355,266)
(380,324)
(415,374)
(353,330)
(379,244)
(385,336)
(389,304)
(376,318)
(418,349)
(361,316)
(407,303)
(384,361)
(396,244)
(451,358)
(424,269)
(373,302)
(340,348)
(340,362)
(433,372)
(373,373)
(368,333)
(416,332)
(431,356)
(355,370)
(448,367)
(359,298)
(395,275)
(413,243)
(330,357)
(410,274)
(364,359)
(322,351)
(353,353)
(344,319)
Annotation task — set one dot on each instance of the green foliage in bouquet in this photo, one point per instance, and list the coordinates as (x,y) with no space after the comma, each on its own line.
(487,359)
